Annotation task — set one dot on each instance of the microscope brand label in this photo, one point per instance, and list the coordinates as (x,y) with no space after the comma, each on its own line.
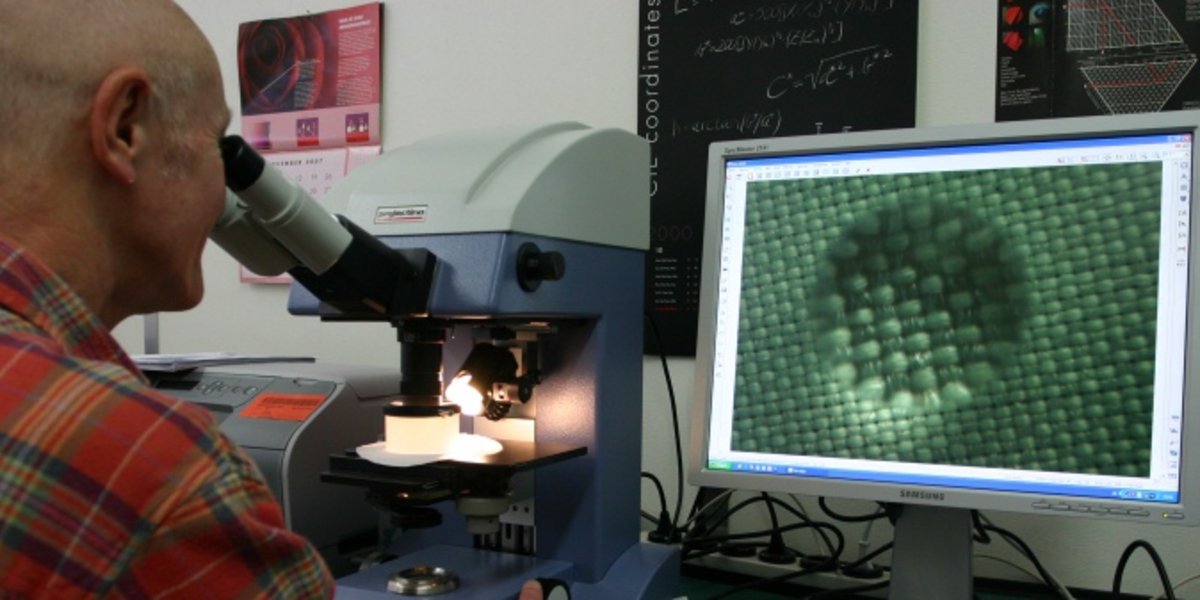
(401,214)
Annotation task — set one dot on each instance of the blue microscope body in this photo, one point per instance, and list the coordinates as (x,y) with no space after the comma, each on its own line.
(476,204)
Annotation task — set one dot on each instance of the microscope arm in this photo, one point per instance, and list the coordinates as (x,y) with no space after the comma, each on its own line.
(273,225)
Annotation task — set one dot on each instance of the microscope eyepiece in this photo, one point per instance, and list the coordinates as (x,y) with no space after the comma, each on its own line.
(243,166)
(340,263)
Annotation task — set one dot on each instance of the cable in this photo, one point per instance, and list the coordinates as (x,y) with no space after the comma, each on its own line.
(865,569)
(694,543)
(846,518)
(730,511)
(835,552)
(662,354)
(697,514)
(762,532)
(702,547)
(665,532)
(776,551)
(1024,549)
(984,524)
(978,522)
(662,496)
(1158,565)
(817,531)
(866,558)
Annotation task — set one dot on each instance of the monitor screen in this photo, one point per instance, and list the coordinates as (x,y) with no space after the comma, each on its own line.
(989,317)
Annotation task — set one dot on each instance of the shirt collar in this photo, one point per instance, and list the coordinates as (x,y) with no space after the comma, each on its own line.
(30,290)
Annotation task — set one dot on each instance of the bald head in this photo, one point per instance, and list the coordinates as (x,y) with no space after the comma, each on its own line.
(110,117)
(49,85)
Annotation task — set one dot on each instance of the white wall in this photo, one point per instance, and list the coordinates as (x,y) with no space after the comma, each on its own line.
(469,63)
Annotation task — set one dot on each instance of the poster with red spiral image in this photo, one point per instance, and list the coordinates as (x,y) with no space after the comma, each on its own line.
(312,81)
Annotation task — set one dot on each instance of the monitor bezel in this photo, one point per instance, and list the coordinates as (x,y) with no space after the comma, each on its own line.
(720,153)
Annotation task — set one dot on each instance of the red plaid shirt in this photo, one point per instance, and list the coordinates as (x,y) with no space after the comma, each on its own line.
(109,489)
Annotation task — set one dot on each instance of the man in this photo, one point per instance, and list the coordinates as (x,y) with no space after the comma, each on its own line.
(108,488)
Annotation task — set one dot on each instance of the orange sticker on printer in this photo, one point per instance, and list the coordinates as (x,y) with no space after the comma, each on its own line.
(283,407)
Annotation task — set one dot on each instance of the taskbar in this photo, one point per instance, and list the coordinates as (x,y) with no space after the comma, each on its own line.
(1005,485)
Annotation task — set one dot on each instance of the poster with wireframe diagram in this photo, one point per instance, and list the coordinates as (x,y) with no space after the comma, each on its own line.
(1096,57)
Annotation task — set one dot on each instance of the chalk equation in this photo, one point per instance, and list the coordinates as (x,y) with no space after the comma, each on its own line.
(753,124)
(820,35)
(852,64)
(782,12)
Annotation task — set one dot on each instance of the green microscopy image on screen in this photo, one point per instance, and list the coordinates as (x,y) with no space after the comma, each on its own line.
(999,318)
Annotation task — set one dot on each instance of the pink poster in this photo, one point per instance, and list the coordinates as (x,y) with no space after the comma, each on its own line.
(312,81)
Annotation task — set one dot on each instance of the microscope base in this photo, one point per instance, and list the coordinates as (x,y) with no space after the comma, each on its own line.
(644,571)
(484,575)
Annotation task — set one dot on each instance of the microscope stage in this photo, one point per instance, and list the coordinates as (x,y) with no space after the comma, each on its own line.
(515,457)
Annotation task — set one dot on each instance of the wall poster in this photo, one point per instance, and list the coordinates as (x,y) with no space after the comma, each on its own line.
(310,95)
(1096,57)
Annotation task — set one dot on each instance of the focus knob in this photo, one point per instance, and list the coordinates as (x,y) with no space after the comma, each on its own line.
(535,266)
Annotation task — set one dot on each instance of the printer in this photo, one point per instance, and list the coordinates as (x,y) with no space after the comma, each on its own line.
(289,417)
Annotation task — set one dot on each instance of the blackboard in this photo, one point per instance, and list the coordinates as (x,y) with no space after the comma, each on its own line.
(711,70)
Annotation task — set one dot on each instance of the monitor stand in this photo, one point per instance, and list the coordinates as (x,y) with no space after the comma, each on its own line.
(931,559)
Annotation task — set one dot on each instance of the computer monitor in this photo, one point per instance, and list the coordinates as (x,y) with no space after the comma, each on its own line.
(972,317)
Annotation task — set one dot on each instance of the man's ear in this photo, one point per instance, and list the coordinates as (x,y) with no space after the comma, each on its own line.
(117,122)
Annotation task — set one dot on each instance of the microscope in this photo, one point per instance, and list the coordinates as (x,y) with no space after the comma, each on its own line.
(514,257)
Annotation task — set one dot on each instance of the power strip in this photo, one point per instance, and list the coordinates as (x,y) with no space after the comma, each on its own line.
(753,567)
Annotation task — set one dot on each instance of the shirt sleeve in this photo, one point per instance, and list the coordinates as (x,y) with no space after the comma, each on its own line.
(227,540)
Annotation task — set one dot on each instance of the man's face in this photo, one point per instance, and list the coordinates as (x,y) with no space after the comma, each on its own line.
(187,184)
